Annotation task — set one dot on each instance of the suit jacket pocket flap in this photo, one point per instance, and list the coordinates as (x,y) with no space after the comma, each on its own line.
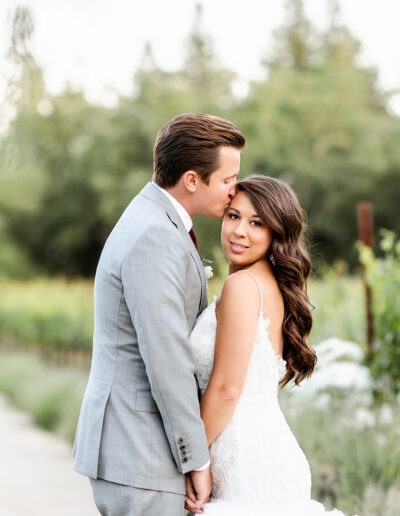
(145,402)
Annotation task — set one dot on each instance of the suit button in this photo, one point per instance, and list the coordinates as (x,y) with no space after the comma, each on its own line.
(183,452)
(182,447)
(184,459)
(180,440)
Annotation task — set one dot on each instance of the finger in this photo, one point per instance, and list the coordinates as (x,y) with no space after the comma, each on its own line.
(192,506)
(199,504)
(190,492)
(202,498)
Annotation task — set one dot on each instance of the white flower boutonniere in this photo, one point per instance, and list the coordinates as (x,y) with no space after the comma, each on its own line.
(207,268)
(209,272)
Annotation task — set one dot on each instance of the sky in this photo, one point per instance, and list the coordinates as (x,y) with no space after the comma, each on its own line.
(97,44)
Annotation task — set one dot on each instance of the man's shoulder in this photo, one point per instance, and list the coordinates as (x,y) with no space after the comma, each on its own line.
(145,223)
(141,214)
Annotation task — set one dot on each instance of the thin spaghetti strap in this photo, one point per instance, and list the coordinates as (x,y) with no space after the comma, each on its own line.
(259,288)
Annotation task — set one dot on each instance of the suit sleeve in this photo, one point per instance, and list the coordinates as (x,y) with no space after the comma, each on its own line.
(154,281)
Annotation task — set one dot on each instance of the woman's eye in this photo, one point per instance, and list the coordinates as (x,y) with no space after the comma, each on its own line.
(232,216)
(256,223)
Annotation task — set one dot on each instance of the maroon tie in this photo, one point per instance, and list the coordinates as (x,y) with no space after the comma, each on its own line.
(193,237)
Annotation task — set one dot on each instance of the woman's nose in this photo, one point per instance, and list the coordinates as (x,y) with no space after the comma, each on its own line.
(239,229)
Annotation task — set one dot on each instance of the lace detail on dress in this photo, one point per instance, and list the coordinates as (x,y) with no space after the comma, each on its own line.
(256,462)
(257,428)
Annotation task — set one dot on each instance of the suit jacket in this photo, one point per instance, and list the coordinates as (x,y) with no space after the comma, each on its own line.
(140,419)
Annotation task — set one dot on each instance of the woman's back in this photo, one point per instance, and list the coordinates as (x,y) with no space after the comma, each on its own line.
(271,304)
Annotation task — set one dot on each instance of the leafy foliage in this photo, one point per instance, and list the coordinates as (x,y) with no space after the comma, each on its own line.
(383,276)
(53,395)
(57,316)
(50,316)
(353,451)
(318,120)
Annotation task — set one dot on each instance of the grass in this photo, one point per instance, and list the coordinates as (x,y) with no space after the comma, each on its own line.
(339,307)
(56,315)
(53,395)
(355,465)
(51,315)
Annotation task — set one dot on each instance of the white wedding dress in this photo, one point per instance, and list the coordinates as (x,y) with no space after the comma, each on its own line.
(257,466)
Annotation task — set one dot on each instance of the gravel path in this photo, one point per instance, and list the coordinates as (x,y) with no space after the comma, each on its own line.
(36,475)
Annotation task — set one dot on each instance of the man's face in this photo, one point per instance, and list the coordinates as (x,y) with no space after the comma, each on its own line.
(213,199)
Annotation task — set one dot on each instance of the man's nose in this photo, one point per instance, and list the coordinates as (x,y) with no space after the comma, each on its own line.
(232,191)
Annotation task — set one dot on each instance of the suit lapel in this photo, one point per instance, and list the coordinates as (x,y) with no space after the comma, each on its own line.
(152,193)
(200,268)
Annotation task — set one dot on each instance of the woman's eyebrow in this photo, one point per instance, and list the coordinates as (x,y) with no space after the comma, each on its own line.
(253,216)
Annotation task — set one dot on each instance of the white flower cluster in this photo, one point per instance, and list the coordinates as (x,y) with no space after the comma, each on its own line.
(208,271)
(339,366)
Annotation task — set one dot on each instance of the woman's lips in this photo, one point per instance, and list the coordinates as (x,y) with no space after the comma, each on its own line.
(237,248)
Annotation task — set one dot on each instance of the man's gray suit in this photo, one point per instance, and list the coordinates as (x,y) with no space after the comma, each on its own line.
(140,420)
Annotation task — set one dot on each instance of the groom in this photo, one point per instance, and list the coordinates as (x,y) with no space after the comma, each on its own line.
(140,430)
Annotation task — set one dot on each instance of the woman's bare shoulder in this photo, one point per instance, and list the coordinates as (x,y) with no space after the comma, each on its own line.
(239,290)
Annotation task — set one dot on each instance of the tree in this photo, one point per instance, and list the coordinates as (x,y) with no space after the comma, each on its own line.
(296,41)
(19,184)
(319,121)
(25,85)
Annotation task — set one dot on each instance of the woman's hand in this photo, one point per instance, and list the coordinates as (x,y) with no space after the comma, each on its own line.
(192,503)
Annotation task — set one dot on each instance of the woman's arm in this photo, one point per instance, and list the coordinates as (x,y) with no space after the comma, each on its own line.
(238,312)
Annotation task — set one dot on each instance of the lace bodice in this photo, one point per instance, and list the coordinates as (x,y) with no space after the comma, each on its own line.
(257,466)
(265,366)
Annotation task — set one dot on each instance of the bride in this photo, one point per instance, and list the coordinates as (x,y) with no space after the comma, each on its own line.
(249,341)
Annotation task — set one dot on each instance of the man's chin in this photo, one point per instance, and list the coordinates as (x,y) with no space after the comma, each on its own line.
(215,214)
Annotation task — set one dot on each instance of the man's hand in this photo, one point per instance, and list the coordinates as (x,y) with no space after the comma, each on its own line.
(198,489)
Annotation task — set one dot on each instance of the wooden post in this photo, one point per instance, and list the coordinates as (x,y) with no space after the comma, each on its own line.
(366,236)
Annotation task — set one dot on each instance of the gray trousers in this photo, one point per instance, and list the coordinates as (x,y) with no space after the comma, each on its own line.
(119,500)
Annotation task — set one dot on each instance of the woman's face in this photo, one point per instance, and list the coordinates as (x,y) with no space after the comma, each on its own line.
(245,238)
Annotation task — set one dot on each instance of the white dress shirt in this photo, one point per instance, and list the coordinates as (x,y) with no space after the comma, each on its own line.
(187,222)
(183,214)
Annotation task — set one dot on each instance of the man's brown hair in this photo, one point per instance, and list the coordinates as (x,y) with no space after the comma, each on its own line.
(191,142)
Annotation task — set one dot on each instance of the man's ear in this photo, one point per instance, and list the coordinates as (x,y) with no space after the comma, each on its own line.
(190,180)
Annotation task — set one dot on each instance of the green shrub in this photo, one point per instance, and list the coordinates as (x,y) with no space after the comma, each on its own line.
(51,315)
(353,450)
(53,395)
(383,276)
(339,306)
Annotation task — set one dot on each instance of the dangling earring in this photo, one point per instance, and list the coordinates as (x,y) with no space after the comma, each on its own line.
(272,259)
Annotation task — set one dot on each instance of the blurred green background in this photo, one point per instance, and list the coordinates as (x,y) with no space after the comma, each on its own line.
(318,120)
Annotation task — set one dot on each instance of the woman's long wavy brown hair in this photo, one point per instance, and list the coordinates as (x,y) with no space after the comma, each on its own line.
(278,207)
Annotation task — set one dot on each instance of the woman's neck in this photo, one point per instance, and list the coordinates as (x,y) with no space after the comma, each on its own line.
(260,265)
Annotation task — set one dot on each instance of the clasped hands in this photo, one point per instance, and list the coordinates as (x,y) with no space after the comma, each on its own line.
(198,489)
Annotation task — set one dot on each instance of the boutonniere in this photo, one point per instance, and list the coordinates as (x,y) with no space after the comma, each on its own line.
(208,271)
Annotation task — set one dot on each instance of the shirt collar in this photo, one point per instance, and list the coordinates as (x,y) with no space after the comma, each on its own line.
(183,214)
